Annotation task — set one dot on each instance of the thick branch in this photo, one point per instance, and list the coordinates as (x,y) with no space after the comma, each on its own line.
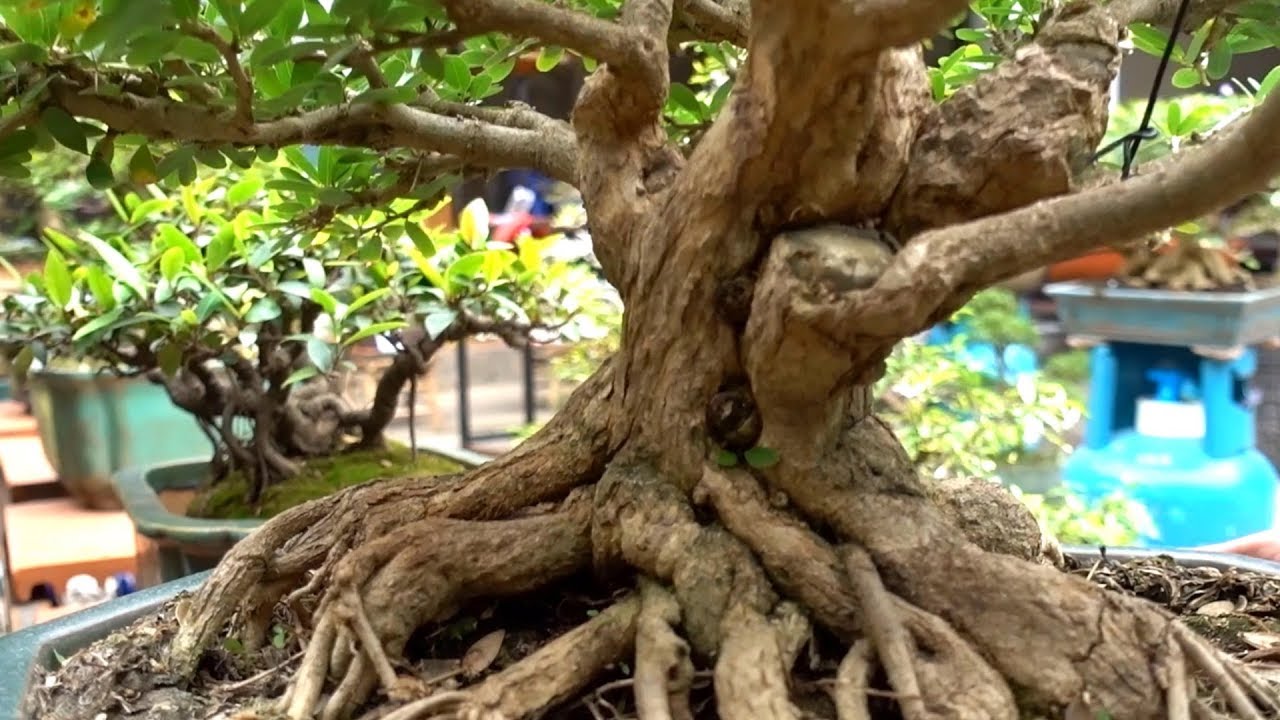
(716,20)
(940,268)
(599,39)
(510,138)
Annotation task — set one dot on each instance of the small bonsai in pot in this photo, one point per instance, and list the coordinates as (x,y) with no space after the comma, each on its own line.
(244,312)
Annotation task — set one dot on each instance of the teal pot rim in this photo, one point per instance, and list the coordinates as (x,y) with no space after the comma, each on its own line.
(153,520)
(24,652)
(1086,554)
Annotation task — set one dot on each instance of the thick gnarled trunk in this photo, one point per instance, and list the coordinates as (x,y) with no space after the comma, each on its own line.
(762,289)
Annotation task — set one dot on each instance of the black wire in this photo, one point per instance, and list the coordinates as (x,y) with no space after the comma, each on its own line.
(1133,140)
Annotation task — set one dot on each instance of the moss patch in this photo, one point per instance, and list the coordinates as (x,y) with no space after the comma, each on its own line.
(225,500)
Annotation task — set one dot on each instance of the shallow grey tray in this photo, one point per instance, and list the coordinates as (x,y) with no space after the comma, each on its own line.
(1167,317)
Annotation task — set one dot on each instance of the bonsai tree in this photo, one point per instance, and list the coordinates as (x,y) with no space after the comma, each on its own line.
(772,244)
(244,317)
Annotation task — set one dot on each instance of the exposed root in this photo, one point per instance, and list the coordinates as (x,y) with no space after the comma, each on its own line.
(387,588)
(954,681)
(663,671)
(1215,666)
(892,643)
(750,675)
(849,693)
(568,452)
(558,670)
(1177,696)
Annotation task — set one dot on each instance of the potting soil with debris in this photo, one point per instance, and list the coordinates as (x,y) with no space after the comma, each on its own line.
(123,675)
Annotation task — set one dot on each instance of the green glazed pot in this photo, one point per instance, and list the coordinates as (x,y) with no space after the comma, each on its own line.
(92,425)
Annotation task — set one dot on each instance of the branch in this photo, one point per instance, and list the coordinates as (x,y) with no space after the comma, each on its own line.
(716,20)
(507,138)
(231,56)
(600,39)
(940,268)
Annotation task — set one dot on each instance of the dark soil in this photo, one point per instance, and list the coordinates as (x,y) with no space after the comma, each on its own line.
(118,678)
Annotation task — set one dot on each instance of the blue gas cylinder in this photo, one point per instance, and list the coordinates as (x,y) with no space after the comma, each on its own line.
(1185,451)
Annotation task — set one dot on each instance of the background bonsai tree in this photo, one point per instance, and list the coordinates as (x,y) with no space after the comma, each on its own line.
(244,314)
(772,244)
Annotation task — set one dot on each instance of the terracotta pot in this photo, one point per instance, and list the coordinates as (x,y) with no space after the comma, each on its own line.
(1097,265)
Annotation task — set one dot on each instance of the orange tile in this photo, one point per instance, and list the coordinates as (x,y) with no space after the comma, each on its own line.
(23,462)
(52,540)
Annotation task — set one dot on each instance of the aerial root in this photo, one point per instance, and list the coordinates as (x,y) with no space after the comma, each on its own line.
(386,588)
(849,693)
(663,670)
(1236,683)
(1177,696)
(953,680)
(893,644)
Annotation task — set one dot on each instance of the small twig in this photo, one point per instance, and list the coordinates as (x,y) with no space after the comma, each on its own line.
(428,707)
(413,420)
(242,684)
(230,53)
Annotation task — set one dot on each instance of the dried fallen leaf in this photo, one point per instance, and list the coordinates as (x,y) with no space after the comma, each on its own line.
(1260,640)
(1217,608)
(481,655)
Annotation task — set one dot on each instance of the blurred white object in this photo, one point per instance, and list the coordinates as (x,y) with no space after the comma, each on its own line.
(83,590)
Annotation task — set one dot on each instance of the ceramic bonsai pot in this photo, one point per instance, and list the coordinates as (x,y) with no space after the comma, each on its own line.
(92,425)
(156,497)
(1168,317)
(23,654)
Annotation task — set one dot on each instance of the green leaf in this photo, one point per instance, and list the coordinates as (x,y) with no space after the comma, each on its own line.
(1219,61)
(172,237)
(147,208)
(683,97)
(120,266)
(65,129)
(257,15)
(726,459)
(170,358)
(369,297)
(57,278)
(374,329)
(457,74)
(326,301)
(428,270)
(464,270)
(98,324)
(439,321)
(101,286)
(1268,83)
(22,52)
(172,262)
(244,191)
(1186,78)
(98,173)
(548,58)
(321,353)
(20,142)
(142,167)
(761,457)
(302,373)
(264,310)
(316,274)
(219,249)
(1148,39)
